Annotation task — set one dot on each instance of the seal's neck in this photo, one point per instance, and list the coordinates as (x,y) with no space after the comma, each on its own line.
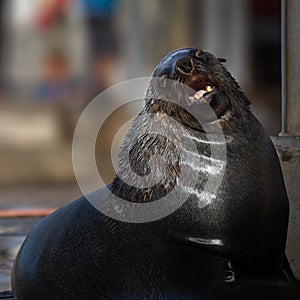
(160,154)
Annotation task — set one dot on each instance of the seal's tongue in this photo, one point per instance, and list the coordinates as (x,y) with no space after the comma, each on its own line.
(200,93)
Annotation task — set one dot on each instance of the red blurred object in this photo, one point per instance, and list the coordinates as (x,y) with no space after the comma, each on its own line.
(22,213)
(50,12)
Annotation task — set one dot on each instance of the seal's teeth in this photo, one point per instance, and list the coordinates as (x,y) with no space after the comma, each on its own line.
(208,88)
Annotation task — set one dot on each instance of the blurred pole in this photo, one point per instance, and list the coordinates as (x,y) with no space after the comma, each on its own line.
(140,36)
(226,25)
(1,42)
(179,22)
(290,41)
(151,29)
(283,70)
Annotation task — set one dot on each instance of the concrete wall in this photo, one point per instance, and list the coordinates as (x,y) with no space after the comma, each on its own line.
(288,149)
(288,144)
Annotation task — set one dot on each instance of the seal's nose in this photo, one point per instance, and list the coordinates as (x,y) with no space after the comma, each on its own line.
(185,64)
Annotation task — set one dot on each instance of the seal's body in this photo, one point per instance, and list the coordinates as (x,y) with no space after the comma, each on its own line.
(238,233)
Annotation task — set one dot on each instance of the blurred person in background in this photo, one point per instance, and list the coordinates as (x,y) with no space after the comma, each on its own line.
(103,41)
(98,17)
(33,30)
(57,85)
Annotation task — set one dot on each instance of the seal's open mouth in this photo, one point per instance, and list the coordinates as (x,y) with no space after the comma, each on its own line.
(197,78)
(200,88)
(189,71)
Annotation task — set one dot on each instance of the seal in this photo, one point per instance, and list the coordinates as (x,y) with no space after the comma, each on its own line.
(237,233)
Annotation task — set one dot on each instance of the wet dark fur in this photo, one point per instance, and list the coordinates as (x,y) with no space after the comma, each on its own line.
(78,253)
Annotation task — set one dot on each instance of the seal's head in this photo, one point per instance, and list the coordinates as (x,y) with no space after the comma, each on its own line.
(189,87)
(196,77)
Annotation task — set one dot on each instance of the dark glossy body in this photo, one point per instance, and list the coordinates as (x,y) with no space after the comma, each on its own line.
(79,253)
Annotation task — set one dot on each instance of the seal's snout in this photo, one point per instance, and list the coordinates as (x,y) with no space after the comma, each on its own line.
(185,65)
(188,70)
(195,79)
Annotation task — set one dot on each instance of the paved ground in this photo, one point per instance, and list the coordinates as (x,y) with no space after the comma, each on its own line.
(12,234)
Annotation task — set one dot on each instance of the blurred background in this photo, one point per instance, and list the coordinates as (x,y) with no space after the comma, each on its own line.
(57,55)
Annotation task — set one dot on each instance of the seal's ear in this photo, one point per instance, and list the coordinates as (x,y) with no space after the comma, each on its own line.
(163,81)
(221,59)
